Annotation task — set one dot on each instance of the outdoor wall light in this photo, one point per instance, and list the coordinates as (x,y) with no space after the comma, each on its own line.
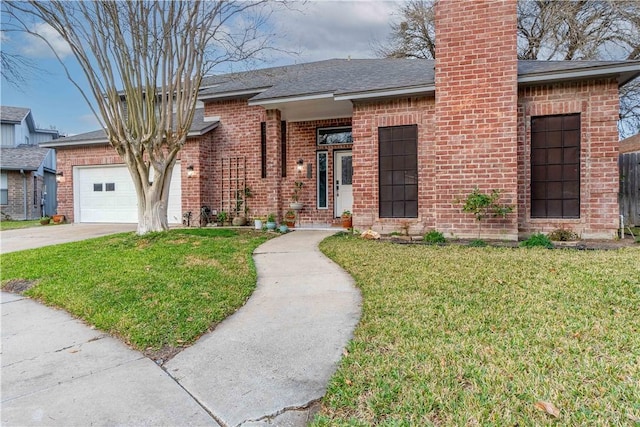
(59,177)
(300,163)
(190,171)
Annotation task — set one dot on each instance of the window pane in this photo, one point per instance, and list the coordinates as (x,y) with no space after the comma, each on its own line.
(322,180)
(398,168)
(97,187)
(328,136)
(4,197)
(347,170)
(110,186)
(555,166)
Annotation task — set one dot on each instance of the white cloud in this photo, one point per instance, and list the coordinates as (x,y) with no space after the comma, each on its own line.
(36,47)
(334,29)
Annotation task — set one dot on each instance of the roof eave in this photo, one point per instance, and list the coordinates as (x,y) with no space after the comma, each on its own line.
(59,144)
(625,73)
(269,101)
(104,141)
(416,90)
(23,168)
(222,96)
(205,130)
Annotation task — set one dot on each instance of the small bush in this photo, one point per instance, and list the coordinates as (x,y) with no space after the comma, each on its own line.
(537,239)
(434,237)
(477,243)
(562,235)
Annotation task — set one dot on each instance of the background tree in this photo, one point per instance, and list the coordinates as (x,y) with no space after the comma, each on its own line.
(144,62)
(547,30)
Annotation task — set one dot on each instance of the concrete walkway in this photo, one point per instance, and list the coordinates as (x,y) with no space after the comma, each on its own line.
(36,237)
(265,365)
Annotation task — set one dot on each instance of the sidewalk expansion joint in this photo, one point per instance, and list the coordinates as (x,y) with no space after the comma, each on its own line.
(195,399)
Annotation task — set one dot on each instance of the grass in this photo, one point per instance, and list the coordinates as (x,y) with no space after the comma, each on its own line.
(477,336)
(162,289)
(12,225)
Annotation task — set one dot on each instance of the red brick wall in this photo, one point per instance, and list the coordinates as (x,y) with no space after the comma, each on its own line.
(597,103)
(197,152)
(476,116)
(367,118)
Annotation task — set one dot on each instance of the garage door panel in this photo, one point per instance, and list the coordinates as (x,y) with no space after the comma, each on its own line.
(107,194)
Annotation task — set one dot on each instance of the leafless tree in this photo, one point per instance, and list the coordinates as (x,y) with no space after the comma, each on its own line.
(144,62)
(547,30)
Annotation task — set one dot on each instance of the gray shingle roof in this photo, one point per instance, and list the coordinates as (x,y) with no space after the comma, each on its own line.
(13,114)
(198,127)
(343,76)
(27,157)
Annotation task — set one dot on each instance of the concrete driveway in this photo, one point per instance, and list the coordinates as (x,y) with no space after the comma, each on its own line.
(35,237)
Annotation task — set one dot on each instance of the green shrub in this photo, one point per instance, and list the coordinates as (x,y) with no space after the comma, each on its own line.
(562,235)
(477,243)
(537,239)
(434,237)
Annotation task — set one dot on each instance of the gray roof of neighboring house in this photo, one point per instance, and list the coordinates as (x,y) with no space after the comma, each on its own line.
(26,157)
(341,77)
(199,126)
(13,114)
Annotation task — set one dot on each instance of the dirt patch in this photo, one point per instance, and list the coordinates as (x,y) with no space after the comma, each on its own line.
(163,355)
(195,261)
(19,286)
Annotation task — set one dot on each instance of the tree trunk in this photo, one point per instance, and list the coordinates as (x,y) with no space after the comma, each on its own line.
(152,213)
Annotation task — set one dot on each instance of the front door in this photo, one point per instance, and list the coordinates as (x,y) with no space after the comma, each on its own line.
(342,174)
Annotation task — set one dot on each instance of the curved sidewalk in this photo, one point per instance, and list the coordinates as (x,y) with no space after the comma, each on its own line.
(278,352)
(264,365)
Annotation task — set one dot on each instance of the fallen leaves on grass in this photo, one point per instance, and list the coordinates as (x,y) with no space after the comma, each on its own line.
(549,408)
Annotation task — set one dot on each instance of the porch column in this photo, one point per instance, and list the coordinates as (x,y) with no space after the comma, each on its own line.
(274,162)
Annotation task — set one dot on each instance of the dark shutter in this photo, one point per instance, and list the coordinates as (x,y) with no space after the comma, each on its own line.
(283,147)
(263,149)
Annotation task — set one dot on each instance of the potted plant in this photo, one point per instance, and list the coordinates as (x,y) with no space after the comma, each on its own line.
(347,220)
(44,220)
(290,218)
(295,196)
(284,228)
(271,222)
(221,218)
(242,207)
(58,218)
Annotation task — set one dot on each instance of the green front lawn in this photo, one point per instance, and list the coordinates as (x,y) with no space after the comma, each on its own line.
(12,225)
(160,290)
(482,336)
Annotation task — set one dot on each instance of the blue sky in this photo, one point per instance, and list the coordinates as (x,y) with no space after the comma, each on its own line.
(316,30)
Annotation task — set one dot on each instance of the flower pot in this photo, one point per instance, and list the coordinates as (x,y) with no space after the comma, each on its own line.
(347,221)
(239,220)
(283,228)
(296,206)
(257,224)
(45,221)
(58,219)
(271,225)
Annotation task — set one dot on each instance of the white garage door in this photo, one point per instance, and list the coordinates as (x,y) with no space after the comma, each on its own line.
(107,194)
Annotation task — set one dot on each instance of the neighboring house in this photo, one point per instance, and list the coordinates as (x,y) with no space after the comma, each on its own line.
(27,172)
(397,142)
(629,163)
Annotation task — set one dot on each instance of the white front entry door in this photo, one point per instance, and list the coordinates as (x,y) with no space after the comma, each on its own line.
(342,175)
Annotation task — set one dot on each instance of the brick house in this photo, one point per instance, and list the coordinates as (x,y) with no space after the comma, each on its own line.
(27,172)
(400,142)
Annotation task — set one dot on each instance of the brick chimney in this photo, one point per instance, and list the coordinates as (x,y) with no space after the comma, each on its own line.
(476,111)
